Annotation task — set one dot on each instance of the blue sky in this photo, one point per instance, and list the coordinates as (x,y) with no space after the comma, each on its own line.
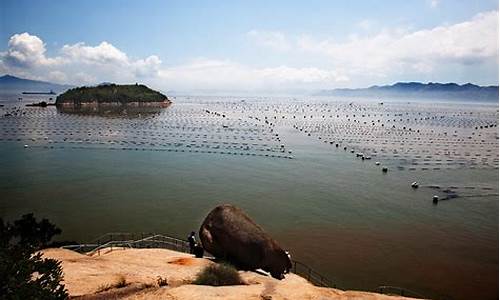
(251,45)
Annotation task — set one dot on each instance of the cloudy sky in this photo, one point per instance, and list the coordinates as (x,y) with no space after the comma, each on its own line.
(250,46)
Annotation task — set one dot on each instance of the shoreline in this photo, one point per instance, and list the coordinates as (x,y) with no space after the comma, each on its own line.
(95,104)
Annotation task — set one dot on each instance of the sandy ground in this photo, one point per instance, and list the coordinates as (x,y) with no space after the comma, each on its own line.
(86,277)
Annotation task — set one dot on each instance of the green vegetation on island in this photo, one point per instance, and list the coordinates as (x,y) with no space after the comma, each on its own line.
(111,93)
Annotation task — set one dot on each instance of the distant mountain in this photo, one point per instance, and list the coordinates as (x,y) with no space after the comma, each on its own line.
(446,91)
(12,83)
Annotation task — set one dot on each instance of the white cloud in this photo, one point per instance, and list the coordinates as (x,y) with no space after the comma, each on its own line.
(77,64)
(393,51)
(270,39)
(148,67)
(107,56)
(104,53)
(84,64)
(57,77)
(26,51)
(216,74)
(382,57)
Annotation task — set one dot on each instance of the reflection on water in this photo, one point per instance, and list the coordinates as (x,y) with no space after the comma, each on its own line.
(283,161)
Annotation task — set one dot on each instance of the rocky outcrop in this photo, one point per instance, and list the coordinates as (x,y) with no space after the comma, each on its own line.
(85,276)
(230,234)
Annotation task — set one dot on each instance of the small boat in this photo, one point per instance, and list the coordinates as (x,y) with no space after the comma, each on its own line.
(414,185)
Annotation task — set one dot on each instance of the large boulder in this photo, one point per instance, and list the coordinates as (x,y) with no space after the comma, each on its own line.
(228,233)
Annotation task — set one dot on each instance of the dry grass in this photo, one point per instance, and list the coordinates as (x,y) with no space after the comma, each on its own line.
(120,282)
(161,281)
(218,275)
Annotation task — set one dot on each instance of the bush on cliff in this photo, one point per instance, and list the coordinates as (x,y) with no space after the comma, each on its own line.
(218,275)
(24,273)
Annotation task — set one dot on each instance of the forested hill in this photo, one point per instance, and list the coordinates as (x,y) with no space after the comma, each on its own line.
(108,93)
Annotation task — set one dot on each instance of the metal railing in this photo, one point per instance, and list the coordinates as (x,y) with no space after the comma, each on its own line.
(152,240)
(130,240)
(312,276)
(396,290)
(112,240)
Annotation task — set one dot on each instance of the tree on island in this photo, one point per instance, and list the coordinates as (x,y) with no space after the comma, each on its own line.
(24,273)
(111,93)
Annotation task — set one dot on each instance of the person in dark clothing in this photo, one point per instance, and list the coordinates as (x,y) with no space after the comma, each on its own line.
(192,242)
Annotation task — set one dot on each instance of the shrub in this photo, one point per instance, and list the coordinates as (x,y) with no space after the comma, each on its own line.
(119,283)
(104,288)
(218,275)
(161,281)
(24,273)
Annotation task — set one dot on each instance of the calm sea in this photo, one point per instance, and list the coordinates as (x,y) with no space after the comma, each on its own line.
(92,173)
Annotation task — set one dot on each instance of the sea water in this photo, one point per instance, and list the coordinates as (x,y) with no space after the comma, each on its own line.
(283,161)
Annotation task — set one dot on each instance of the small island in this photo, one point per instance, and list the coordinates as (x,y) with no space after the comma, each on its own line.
(112,95)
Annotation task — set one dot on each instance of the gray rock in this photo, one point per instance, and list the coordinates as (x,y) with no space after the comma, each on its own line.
(228,233)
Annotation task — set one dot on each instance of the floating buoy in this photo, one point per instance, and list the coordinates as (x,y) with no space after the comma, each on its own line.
(25,146)
(384,169)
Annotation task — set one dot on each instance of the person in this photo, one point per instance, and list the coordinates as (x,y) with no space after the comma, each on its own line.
(192,242)
(289,265)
